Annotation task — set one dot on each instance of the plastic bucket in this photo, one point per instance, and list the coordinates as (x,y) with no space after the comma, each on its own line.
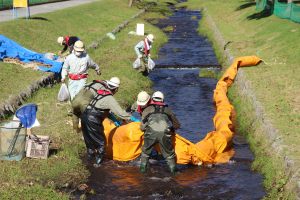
(12,141)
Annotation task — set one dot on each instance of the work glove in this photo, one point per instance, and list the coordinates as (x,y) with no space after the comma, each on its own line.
(133,119)
(114,119)
(98,72)
(117,123)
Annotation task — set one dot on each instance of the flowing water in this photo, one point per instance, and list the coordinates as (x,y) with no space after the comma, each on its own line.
(190,97)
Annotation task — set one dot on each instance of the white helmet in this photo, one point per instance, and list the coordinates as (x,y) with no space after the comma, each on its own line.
(142,98)
(60,40)
(150,37)
(158,96)
(79,46)
(113,83)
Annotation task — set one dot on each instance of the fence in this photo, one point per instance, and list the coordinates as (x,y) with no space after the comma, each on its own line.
(281,8)
(6,4)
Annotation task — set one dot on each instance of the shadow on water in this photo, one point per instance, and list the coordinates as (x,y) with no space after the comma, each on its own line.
(190,97)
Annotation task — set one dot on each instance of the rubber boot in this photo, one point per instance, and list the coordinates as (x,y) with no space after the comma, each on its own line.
(98,160)
(172,165)
(144,164)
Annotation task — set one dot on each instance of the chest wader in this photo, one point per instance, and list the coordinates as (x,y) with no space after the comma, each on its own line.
(93,130)
(80,102)
(158,130)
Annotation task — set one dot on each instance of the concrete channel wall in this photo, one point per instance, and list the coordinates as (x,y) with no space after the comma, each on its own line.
(13,102)
(264,125)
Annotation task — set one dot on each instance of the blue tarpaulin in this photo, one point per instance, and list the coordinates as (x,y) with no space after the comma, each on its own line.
(11,49)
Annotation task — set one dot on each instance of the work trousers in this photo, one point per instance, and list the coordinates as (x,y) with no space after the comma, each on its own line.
(163,139)
(75,86)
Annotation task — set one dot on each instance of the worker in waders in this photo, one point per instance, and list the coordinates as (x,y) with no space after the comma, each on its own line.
(159,124)
(142,50)
(76,67)
(143,99)
(68,43)
(83,98)
(94,114)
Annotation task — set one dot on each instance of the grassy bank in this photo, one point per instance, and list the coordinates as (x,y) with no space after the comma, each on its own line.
(40,34)
(43,179)
(275,83)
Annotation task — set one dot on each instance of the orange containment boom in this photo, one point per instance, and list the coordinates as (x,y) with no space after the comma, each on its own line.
(124,143)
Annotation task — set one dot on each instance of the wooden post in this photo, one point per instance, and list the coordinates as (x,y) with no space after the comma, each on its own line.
(130,3)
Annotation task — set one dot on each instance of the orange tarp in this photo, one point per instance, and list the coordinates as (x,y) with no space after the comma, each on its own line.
(124,143)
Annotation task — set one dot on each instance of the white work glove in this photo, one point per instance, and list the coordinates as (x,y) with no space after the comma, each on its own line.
(98,72)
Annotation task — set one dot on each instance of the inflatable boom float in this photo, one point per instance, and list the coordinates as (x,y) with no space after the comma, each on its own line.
(124,143)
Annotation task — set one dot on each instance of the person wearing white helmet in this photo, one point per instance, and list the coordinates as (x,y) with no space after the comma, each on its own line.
(159,124)
(102,103)
(76,68)
(142,50)
(68,43)
(143,99)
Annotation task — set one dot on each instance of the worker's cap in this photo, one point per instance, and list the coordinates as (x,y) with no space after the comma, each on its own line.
(60,40)
(158,96)
(150,37)
(79,46)
(113,83)
(143,98)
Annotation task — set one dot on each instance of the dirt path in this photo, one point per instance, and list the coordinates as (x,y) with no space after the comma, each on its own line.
(7,15)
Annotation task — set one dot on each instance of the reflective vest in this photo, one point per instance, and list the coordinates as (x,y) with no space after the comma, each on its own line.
(99,96)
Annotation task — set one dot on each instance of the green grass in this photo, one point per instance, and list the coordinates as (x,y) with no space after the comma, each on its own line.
(276,83)
(265,162)
(208,73)
(94,21)
(42,179)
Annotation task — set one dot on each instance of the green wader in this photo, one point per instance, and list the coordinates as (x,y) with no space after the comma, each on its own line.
(165,144)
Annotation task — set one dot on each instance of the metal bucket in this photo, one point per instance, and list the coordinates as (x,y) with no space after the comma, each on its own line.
(12,141)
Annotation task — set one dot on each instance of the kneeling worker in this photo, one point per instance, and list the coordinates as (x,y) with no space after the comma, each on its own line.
(158,123)
(94,114)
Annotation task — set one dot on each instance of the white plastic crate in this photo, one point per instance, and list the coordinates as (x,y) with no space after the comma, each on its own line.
(37,147)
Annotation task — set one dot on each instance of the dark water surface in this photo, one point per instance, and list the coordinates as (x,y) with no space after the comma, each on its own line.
(190,97)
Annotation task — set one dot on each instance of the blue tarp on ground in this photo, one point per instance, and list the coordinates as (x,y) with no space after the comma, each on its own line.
(11,49)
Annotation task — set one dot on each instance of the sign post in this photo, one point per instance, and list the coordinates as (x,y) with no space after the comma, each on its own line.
(140,29)
(21,4)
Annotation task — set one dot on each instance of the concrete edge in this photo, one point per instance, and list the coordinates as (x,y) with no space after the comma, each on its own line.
(270,132)
(9,106)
